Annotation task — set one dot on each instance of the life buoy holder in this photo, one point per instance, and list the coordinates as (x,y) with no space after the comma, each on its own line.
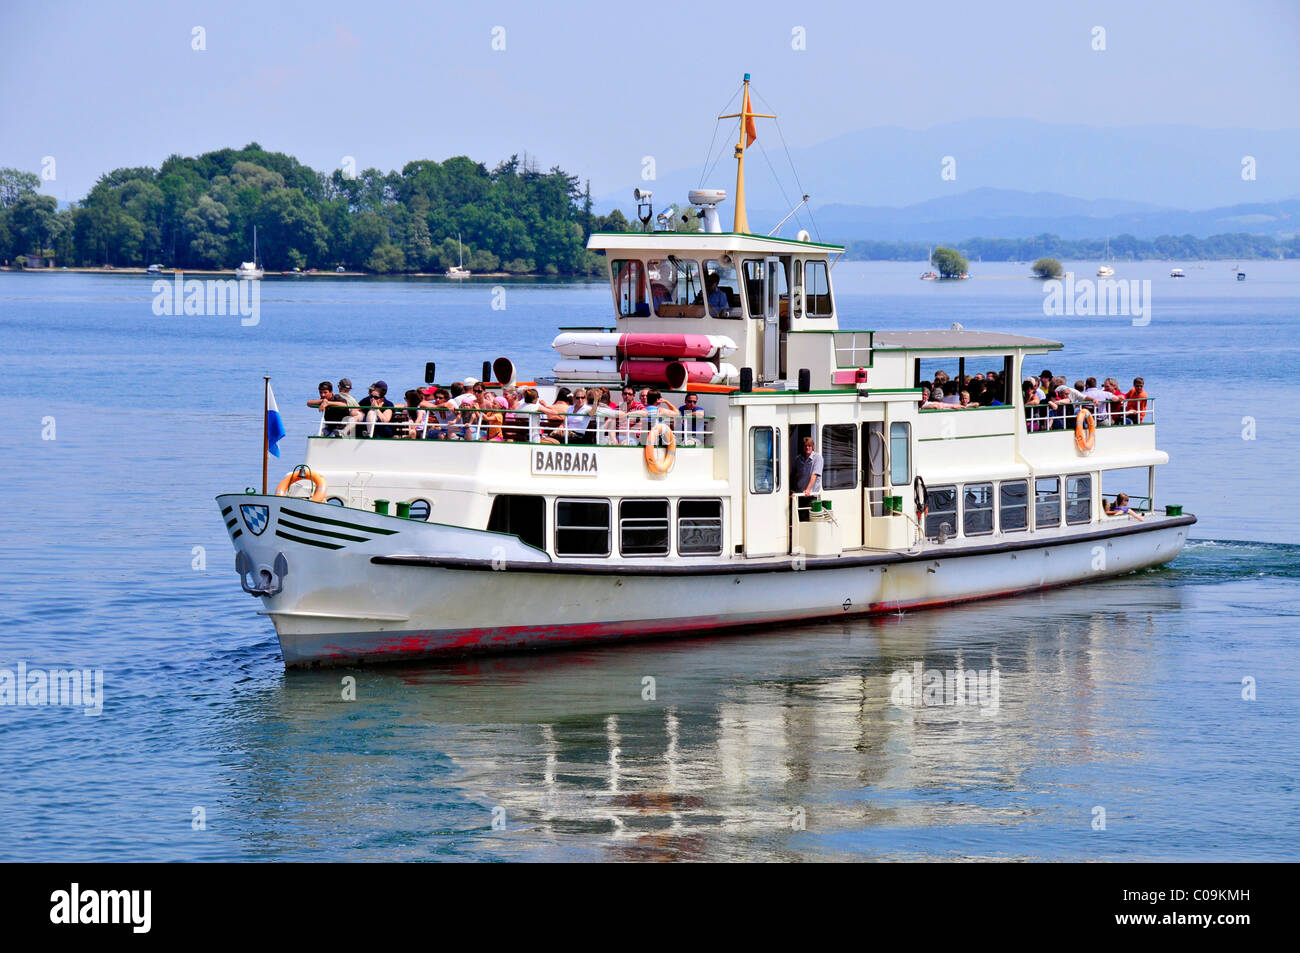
(920,495)
(303,473)
(652,460)
(1085,431)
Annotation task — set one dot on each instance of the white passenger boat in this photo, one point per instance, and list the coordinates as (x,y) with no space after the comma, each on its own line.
(415,548)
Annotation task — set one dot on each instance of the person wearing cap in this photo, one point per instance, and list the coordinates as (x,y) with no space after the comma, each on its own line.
(378,411)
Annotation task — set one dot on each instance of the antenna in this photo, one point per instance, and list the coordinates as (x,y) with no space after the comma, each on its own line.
(787,217)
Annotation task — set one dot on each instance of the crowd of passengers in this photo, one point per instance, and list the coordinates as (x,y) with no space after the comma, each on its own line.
(1050,403)
(471,410)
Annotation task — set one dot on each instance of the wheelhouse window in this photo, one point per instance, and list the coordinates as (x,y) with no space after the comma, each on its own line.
(817,290)
(582,527)
(643,527)
(630,289)
(839,456)
(977,509)
(942,502)
(722,298)
(676,287)
(761,286)
(1078,499)
(1013,505)
(763,460)
(699,527)
(1047,502)
(900,454)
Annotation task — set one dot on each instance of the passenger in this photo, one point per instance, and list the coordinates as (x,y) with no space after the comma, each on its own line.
(965,400)
(378,410)
(512,426)
(631,412)
(1029,394)
(1100,397)
(416,417)
(354,407)
(490,417)
(1136,409)
(807,477)
(530,410)
(952,394)
(441,415)
(660,295)
(657,405)
(693,423)
(577,422)
(606,415)
(1115,396)
(1121,508)
(554,420)
(334,412)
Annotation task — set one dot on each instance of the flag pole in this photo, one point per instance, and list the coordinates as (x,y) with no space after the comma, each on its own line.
(266,436)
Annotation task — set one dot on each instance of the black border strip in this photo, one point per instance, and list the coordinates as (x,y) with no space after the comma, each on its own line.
(309,542)
(326,519)
(787,565)
(289,524)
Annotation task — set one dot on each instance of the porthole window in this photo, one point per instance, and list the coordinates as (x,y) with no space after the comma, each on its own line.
(420,509)
(334,501)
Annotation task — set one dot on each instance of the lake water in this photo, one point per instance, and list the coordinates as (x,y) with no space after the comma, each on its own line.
(1124,698)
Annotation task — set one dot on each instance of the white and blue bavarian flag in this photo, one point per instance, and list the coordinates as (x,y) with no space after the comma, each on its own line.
(274,425)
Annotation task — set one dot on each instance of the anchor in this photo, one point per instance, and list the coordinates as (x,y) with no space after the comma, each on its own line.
(263,581)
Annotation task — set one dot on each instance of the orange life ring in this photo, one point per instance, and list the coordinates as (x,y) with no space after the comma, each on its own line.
(652,461)
(1085,431)
(303,473)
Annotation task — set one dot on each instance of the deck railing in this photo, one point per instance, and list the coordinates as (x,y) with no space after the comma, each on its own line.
(608,427)
(1040,418)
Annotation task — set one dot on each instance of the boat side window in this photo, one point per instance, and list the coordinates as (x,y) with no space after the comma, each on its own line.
(817,290)
(630,289)
(1047,502)
(643,527)
(752,270)
(581,527)
(699,527)
(522,516)
(763,460)
(724,302)
(942,502)
(900,454)
(839,456)
(1078,498)
(977,509)
(1013,505)
(675,285)
(873,464)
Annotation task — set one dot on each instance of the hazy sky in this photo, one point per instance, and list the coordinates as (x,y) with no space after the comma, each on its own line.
(595,87)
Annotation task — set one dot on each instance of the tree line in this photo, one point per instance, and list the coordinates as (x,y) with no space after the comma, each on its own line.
(1122,248)
(199,212)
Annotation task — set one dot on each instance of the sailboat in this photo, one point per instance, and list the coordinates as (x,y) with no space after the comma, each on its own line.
(251,269)
(930,275)
(1106,271)
(459,271)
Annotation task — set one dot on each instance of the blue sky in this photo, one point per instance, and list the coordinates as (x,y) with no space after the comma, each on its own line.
(595,87)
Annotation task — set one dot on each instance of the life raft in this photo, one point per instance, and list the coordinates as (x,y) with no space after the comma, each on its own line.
(303,473)
(653,462)
(1085,431)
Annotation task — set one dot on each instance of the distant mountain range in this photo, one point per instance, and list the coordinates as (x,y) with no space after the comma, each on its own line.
(1018,178)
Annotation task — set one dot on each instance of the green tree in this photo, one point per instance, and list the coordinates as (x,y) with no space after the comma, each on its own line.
(1048,268)
(387,259)
(950,262)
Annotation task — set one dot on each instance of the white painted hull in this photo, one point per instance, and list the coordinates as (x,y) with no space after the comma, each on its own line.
(448,591)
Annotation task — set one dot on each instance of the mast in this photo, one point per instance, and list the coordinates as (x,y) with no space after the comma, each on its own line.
(748,133)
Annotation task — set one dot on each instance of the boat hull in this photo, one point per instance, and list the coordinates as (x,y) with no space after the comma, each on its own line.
(401,597)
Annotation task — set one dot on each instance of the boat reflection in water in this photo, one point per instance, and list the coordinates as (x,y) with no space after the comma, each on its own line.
(791,744)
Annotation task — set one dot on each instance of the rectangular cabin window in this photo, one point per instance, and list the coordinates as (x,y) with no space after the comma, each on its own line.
(900,454)
(763,460)
(873,464)
(630,289)
(699,528)
(1013,505)
(942,501)
(1047,502)
(721,290)
(760,278)
(676,287)
(817,290)
(643,527)
(1078,498)
(977,509)
(839,457)
(582,527)
(522,516)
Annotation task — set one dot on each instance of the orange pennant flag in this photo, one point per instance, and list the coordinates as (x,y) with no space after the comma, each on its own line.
(751,128)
